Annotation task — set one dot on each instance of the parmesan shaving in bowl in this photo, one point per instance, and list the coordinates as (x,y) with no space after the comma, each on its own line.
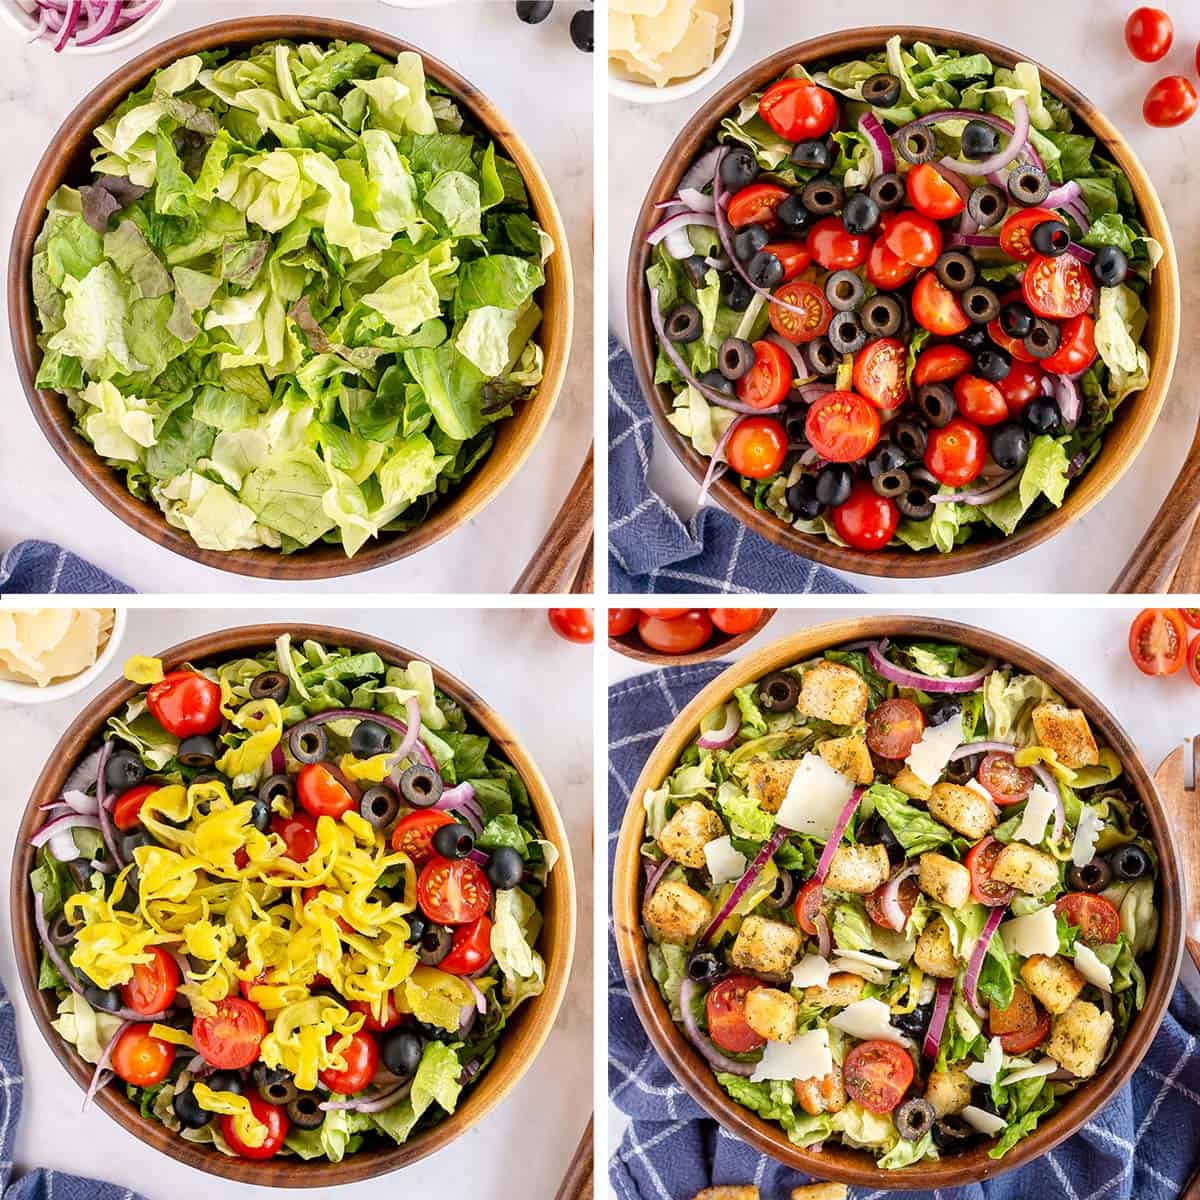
(41,646)
(664,41)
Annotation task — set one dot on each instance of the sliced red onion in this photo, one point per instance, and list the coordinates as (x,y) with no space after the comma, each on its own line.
(744,884)
(104,24)
(982,167)
(713,1056)
(697,201)
(1047,780)
(1070,403)
(419,749)
(718,739)
(105,868)
(678,244)
(984,495)
(937,1023)
(971,979)
(716,465)
(881,144)
(1080,214)
(81,802)
(101,1071)
(701,171)
(103,805)
(925,683)
(369,1104)
(804,375)
(835,836)
(890,900)
(1016,143)
(680,221)
(466,1019)
(479,858)
(824,936)
(70,22)
(64,824)
(980,241)
(971,748)
(1082,253)
(813,391)
(480,998)
(1060,197)
(412,707)
(656,875)
(718,263)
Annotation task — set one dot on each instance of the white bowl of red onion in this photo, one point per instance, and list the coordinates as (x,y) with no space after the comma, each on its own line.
(83,26)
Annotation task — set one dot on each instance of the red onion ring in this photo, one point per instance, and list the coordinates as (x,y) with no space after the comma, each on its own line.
(365,714)
(1082,253)
(106,826)
(713,1056)
(881,144)
(1070,403)
(813,391)
(701,171)
(804,375)
(824,937)
(480,998)
(364,1104)
(655,879)
(971,980)
(680,221)
(980,241)
(716,465)
(980,495)
(937,1023)
(835,836)
(889,901)
(103,27)
(105,1056)
(964,114)
(1017,142)
(697,201)
(925,683)
(718,739)
(743,885)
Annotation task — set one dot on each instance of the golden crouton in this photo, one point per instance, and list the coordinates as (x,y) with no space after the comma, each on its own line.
(1079,1037)
(676,912)
(824,1095)
(685,835)
(944,879)
(739,1192)
(857,868)
(766,947)
(949,1091)
(1028,870)
(911,784)
(935,951)
(821,1191)
(1066,731)
(772,1014)
(767,781)
(834,693)
(844,987)
(850,756)
(1054,981)
(963,809)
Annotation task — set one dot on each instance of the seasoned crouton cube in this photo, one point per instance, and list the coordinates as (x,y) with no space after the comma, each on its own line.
(964,810)
(850,756)
(911,784)
(824,1095)
(834,693)
(739,1192)
(1079,1037)
(859,869)
(944,879)
(1054,981)
(1028,870)
(935,951)
(772,1014)
(676,912)
(767,781)
(685,835)
(949,1091)
(821,1191)
(843,988)
(766,947)
(1066,731)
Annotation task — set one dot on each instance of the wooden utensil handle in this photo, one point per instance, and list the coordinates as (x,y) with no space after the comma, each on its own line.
(555,562)
(1152,565)
(1192,1191)
(577,1182)
(585,580)
(1187,575)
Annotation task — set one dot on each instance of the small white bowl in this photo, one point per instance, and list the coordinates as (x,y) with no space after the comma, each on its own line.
(647,93)
(12,692)
(17,18)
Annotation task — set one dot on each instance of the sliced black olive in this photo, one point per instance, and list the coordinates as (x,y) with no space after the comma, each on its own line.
(882,90)
(823,358)
(956,270)
(749,241)
(1051,238)
(434,945)
(765,269)
(123,770)
(454,841)
(735,358)
(1016,319)
(186,1107)
(379,806)
(305,1112)
(917,145)
(914,1023)
(1130,862)
(275,1086)
(277,787)
(1010,445)
(583,30)
(308,743)
(199,750)
(1028,185)
(952,1134)
(893,483)
(417,925)
(973,338)
(882,316)
(817,155)
(718,382)
(962,770)
(887,456)
(420,786)
(981,304)
(270,685)
(936,404)
(105,999)
(226,1081)
(260,815)
(940,711)
(802,499)
(846,335)
(1110,266)
(861,214)
(369,739)
(533,12)
(834,484)
(822,196)
(779,692)
(739,167)
(794,424)
(401,1051)
(979,140)
(696,269)
(705,967)
(914,1119)
(684,323)
(1042,340)
(506,868)
(993,364)
(736,292)
(783,891)
(986,205)
(887,191)
(875,831)
(915,504)
(844,290)
(1094,877)
(911,438)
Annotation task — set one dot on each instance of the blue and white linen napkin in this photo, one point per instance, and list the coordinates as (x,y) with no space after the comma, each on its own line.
(45,569)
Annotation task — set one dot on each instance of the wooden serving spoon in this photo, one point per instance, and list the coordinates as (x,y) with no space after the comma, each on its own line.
(577,1182)
(563,560)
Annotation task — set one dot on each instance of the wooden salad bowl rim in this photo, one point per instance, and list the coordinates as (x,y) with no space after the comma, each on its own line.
(1122,440)
(525,1033)
(836,1162)
(631,646)
(66,160)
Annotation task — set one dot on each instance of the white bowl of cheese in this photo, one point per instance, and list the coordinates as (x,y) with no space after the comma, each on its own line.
(47,654)
(663,50)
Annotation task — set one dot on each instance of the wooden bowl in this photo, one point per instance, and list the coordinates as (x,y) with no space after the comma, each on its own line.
(839,1162)
(67,161)
(1122,441)
(524,1035)
(632,646)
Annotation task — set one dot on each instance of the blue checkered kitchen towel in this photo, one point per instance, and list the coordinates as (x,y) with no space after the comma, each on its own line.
(1143,1146)
(651,550)
(44,569)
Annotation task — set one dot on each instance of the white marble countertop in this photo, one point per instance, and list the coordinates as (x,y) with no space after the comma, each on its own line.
(517,66)
(1082,40)
(534,673)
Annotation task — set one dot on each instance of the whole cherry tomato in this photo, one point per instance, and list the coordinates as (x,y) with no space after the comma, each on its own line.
(734,620)
(140,1059)
(680,635)
(955,454)
(185,703)
(621,620)
(980,401)
(867,520)
(1171,101)
(574,624)
(1148,34)
(887,271)
(835,248)
(799,110)
(915,238)
(757,447)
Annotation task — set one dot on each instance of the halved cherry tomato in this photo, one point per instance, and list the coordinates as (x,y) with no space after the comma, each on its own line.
(1022,383)
(915,238)
(880,373)
(140,1059)
(1058,287)
(940,364)
(414,832)
(1193,659)
(153,985)
(842,426)
(980,401)
(793,255)
(1021,1026)
(392,1016)
(807,905)
(757,447)
(756,204)
(1170,102)
(725,1007)
(877,1074)
(894,727)
(573,624)
(321,793)
(734,620)
(1191,616)
(185,703)
(866,521)
(1076,347)
(621,620)
(981,859)
(906,898)
(1148,34)
(936,307)
(299,833)
(272,1116)
(955,454)
(799,110)
(1018,229)
(931,194)
(766,384)
(803,326)
(126,812)
(887,271)
(362,1061)
(677,635)
(1097,919)
(1158,641)
(230,1037)
(471,949)
(453,891)
(1014,346)
(1000,775)
(835,248)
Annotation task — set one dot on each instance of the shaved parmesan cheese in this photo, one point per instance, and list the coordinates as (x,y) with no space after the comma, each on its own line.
(724,862)
(1038,809)
(40,646)
(1091,968)
(658,41)
(867,1019)
(928,758)
(661,33)
(721,9)
(868,960)
(987,1070)
(1035,934)
(815,798)
(806,1056)
(1034,1071)
(811,971)
(637,8)
(622,35)
(1083,849)
(983,1121)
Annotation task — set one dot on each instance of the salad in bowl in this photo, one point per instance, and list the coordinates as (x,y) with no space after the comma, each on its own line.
(288,901)
(900,298)
(900,899)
